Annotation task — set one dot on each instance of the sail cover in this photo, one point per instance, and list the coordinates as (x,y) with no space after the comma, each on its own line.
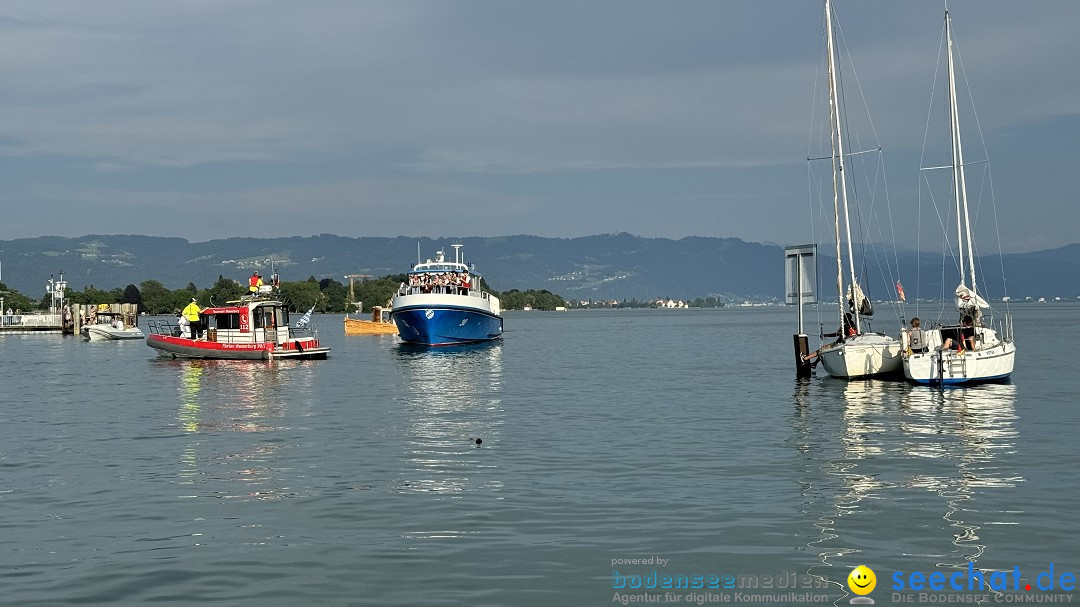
(967,300)
(857,300)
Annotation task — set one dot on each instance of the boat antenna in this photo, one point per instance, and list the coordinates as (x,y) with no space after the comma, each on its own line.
(417,252)
(457,253)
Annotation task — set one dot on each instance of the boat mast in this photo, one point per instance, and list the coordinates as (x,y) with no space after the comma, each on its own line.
(839,181)
(963,219)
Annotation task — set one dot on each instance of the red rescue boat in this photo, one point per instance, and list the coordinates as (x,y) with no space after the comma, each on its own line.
(254,328)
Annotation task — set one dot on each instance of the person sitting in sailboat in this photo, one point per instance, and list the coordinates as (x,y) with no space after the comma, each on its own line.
(847,330)
(916,337)
(967,336)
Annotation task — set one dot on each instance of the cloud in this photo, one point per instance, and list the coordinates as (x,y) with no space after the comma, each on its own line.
(508,109)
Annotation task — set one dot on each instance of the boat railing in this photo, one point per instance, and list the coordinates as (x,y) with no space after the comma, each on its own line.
(302,332)
(212,334)
(163,327)
(441,290)
(173,329)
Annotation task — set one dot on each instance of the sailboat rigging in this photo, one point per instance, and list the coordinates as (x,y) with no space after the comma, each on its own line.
(856,353)
(970,351)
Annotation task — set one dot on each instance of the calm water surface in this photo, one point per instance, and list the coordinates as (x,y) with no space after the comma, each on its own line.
(128,479)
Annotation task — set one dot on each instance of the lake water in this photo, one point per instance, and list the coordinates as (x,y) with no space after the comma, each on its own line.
(606,436)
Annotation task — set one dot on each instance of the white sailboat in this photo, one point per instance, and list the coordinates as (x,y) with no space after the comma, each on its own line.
(857,353)
(969,351)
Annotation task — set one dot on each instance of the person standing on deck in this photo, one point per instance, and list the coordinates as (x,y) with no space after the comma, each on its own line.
(254,283)
(191,313)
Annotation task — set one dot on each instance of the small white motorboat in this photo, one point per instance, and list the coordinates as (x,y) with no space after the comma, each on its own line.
(110,326)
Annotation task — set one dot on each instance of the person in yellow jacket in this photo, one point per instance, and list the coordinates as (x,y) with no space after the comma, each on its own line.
(191,313)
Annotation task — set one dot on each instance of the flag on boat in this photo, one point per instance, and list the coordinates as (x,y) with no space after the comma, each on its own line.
(900,291)
(305,319)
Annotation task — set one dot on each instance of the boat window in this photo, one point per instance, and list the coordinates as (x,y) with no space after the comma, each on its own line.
(227,321)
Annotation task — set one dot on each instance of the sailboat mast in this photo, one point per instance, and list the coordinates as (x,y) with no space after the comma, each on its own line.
(840,194)
(963,219)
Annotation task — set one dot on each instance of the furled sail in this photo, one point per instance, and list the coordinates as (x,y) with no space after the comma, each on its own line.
(968,300)
(857,300)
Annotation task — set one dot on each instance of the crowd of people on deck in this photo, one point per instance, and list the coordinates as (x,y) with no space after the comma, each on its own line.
(454,283)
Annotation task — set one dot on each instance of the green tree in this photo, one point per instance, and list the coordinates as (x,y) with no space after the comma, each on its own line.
(224,290)
(180,298)
(156,298)
(14,300)
(92,296)
(334,295)
(379,291)
(131,295)
(300,296)
(540,300)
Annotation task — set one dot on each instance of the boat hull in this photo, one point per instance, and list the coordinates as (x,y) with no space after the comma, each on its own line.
(181,347)
(96,333)
(441,325)
(951,367)
(863,356)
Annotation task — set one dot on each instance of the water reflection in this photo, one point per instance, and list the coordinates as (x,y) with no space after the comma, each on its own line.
(221,401)
(972,428)
(873,450)
(452,399)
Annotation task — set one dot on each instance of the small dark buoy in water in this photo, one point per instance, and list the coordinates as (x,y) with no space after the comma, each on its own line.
(479,440)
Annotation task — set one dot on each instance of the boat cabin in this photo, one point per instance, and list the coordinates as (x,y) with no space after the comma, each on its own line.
(254,322)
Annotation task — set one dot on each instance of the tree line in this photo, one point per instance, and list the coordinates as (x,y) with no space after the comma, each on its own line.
(325,296)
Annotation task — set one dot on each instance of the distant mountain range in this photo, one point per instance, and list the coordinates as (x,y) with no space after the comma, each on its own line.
(601,267)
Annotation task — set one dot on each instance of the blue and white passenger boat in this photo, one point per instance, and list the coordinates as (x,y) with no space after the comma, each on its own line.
(441,304)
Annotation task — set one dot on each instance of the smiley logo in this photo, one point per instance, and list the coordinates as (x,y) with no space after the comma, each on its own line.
(862,580)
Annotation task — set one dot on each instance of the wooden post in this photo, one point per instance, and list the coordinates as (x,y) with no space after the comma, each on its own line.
(802,348)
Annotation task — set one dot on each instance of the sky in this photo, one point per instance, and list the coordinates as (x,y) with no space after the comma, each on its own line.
(210,119)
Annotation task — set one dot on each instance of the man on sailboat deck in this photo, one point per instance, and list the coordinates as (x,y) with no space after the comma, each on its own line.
(847,330)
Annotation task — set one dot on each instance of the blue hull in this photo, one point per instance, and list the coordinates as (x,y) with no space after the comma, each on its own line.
(443,326)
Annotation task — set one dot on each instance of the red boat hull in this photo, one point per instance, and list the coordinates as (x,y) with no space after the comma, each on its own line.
(182,347)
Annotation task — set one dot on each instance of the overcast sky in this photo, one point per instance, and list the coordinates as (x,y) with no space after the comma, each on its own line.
(208,118)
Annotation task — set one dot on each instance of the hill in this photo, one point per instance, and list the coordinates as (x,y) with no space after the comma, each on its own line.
(600,267)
